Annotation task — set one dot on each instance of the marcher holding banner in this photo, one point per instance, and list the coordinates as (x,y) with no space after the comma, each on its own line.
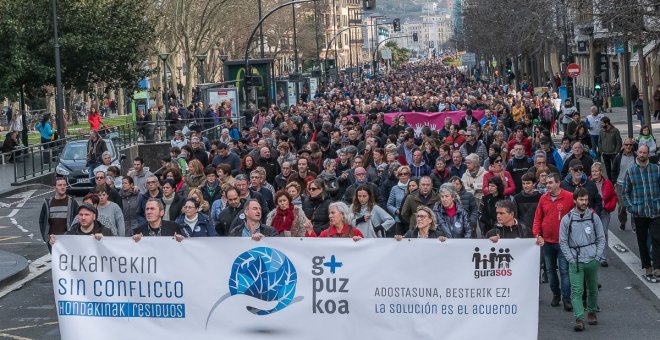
(155,225)
(426,226)
(552,207)
(86,225)
(341,218)
(252,227)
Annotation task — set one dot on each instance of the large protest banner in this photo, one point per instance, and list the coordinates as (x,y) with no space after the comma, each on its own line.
(435,120)
(289,288)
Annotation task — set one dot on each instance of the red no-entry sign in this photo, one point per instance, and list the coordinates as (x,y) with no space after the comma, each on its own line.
(573,70)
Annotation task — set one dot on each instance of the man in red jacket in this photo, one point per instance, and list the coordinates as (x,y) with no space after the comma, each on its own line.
(553,205)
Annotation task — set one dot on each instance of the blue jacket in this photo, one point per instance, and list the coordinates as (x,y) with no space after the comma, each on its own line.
(203,227)
(421,170)
(457,226)
(395,201)
(45,131)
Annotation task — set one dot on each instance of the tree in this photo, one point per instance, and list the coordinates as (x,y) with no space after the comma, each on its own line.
(100,42)
(399,55)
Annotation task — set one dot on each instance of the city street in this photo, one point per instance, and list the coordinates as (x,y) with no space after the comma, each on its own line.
(629,308)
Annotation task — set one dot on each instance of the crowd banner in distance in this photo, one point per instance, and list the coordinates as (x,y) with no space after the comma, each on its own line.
(291,288)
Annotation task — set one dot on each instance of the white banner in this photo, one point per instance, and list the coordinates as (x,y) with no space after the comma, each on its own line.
(288,288)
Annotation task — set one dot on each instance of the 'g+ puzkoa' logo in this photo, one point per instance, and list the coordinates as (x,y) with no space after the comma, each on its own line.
(495,263)
(265,274)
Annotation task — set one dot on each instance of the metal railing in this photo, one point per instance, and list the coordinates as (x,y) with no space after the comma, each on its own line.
(42,159)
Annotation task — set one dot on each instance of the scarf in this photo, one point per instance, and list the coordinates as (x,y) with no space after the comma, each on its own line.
(168,204)
(283,219)
(191,222)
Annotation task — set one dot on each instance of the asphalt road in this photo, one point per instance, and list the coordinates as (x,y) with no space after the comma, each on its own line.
(630,310)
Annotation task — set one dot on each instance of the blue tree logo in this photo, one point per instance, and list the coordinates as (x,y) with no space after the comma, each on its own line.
(263,273)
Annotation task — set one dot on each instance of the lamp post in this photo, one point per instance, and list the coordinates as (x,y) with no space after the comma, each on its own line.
(163,57)
(180,85)
(200,59)
(295,41)
(223,57)
(59,95)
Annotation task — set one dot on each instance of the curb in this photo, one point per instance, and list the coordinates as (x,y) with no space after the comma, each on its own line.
(18,268)
(23,188)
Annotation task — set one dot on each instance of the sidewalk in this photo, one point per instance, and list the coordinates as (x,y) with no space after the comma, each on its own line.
(618,116)
(12,267)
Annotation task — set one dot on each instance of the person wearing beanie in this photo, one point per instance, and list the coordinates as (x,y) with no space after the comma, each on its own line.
(518,165)
(86,224)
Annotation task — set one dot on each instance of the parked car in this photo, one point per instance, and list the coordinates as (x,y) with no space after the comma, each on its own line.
(73,161)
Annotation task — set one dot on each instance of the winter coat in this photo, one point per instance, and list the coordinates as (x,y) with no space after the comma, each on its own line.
(488,215)
(526,206)
(44,226)
(418,171)
(395,201)
(595,199)
(518,230)
(549,213)
(226,217)
(469,203)
(316,210)
(202,228)
(412,202)
(299,221)
(585,241)
(474,183)
(608,194)
(377,226)
(457,226)
(440,178)
(509,184)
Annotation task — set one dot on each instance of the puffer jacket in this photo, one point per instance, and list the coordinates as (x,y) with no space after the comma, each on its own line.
(395,201)
(585,241)
(474,183)
(203,227)
(316,210)
(130,204)
(457,226)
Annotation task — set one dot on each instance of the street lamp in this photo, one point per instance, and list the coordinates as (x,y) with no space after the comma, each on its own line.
(59,94)
(223,58)
(200,59)
(163,56)
(180,84)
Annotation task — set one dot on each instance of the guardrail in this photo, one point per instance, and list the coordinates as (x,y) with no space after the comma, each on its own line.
(42,159)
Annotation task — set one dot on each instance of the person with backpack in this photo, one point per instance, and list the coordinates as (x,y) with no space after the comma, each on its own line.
(547,115)
(582,242)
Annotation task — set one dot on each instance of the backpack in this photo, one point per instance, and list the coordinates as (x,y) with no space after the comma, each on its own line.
(577,248)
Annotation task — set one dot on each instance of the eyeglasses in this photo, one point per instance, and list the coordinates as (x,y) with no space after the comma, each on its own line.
(498,161)
(578,169)
(313,189)
(421,217)
(404,174)
(627,145)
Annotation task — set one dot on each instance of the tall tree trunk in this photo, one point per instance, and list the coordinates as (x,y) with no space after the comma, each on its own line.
(644,84)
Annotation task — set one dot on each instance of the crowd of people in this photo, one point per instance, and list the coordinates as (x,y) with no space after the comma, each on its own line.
(334,167)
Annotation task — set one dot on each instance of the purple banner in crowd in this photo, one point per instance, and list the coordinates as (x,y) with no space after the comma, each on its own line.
(435,120)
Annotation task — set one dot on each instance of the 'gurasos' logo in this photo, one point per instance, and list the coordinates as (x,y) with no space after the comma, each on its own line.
(495,263)
(265,274)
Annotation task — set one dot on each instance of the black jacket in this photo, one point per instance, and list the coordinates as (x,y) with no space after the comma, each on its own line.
(595,199)
(414,233)
(316,210)
(526,206)
(167,228)
(98,229)
(518,230)
(616,166)
(226,218)
(177,206)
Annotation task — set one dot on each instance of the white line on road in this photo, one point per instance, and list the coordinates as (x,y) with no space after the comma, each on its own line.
(633,262)
(20,227)
(37,267)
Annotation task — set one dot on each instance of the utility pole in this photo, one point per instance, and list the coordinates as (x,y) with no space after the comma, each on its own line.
(59,95)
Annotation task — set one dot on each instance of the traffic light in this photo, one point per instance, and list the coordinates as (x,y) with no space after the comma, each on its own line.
(369,4)
(397,25)
(509,66)
(415,37)
(598,81)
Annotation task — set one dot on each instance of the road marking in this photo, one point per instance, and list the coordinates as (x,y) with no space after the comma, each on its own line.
(37,267)
(7,238)
(20,227)
(633,262)
(30,326)
(15,337)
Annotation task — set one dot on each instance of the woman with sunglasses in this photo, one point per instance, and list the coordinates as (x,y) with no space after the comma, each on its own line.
(397,196)
(194,224)
(496,169)
(426,225)
(316,204)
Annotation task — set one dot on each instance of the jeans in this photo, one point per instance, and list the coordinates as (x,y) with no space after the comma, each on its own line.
(554,256)
(580,274)
(605,218)
(91,167)
(648,227)
(594,146)
(621,209)
(608,160)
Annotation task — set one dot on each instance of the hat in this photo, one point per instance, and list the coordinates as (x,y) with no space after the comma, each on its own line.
(89,207)
(576,163)
(323,141)
(382,167)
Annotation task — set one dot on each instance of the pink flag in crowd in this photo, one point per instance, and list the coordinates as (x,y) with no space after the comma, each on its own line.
(435,120)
